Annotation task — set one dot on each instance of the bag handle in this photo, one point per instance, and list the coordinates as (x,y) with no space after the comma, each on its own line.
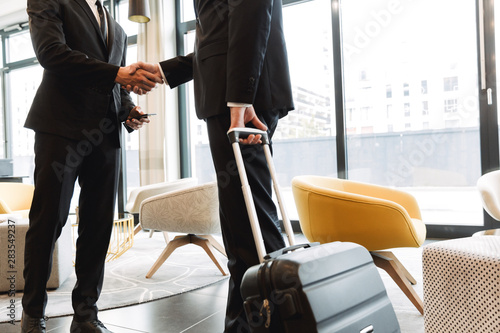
(285,250)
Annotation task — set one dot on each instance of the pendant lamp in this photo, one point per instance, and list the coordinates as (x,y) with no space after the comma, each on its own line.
(138,11)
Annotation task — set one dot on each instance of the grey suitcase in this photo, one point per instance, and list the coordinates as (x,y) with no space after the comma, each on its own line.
(332,287)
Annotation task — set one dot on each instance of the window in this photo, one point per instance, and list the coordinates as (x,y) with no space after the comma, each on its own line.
(312,124)
(389,111)
(451,105)
(450,83)
(433,151)
(3,141)
(425,108)
(407,109)
(19,47)
(187,10)
(437,160)
(131,140)
(21,78)
(423,87)
(363,76)
(406,89)
(131,28)
(388,91)
(24,83)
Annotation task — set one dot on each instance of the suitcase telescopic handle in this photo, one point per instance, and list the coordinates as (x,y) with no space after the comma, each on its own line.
(234,135)
(285,250)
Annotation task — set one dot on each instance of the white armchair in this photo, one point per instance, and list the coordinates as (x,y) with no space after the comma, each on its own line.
(488,186)
(138,195)
(192,211)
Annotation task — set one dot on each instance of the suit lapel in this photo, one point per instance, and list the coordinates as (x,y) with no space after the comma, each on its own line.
(93,20)
(111,29)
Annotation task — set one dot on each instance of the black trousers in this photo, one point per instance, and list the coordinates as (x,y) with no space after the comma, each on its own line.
(59,162)
(235,224)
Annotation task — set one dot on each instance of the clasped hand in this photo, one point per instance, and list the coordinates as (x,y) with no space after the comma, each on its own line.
(240,116)
(139,77)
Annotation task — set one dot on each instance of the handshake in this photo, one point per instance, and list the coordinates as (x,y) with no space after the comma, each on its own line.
(140,77)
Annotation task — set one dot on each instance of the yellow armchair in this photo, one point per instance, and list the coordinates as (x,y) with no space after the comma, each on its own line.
(15,198)
(376,217)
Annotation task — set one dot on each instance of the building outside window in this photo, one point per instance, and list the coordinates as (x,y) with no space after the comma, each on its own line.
(450,83)
(423,87)
(406,89)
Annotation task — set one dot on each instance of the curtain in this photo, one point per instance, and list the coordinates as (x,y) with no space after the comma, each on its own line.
(158,140)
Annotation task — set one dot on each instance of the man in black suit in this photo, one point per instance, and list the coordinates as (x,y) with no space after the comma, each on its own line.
(240,73)
(76,115)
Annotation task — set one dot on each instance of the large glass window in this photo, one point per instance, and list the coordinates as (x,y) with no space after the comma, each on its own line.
(304,142)
(187,11)
(131,28)
(24,83)
(497,46)
(21,77)
(19,47)
(2,103)
(407,95)
(430,143)
(131,140)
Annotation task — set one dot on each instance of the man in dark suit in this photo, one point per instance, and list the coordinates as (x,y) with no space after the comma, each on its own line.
(240,72)
(76,115)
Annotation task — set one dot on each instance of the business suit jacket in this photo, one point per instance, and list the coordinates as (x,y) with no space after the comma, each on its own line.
(78,89)
(239,56)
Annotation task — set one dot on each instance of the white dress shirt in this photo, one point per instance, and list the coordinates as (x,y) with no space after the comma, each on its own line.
(93,7)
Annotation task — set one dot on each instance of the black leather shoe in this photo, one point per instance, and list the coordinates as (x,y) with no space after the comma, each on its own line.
(32,325)
(94,326)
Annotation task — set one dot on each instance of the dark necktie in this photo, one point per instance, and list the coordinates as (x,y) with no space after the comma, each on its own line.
(101,19)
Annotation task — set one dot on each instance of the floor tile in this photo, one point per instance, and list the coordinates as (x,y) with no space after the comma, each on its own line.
(201,310)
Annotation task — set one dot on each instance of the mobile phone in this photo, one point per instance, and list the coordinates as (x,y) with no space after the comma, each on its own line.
(145,115)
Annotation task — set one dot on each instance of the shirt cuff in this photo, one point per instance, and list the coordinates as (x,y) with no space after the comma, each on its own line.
(238,105)
(162,74)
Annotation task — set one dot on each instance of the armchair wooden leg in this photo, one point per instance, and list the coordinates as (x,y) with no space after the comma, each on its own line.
(137,229)
(171,246)
(393,269)
(391,255)
(207,243)
(215,244)
(207,246)
(165,236)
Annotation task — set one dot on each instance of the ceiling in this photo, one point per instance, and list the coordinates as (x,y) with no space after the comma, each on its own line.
(13,12)
(11,6)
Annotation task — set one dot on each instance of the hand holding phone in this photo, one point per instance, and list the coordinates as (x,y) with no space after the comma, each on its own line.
(146,115)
